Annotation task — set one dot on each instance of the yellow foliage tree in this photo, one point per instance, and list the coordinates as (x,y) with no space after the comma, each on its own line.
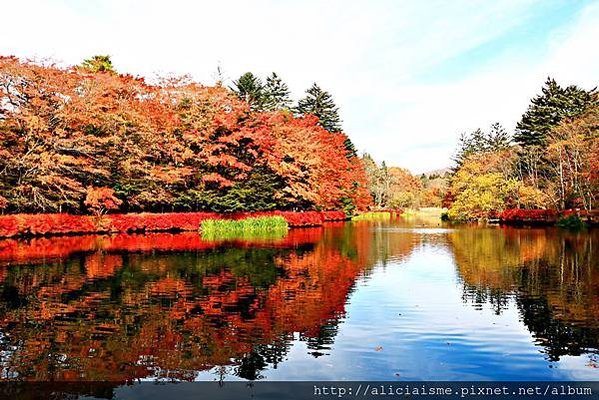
(482,187)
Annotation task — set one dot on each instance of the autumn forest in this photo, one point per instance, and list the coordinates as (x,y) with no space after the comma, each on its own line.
(86,139)
(90,140)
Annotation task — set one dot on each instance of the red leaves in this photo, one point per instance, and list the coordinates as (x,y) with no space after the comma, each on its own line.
(333,215)
(214,177)
(163,146)
(100,200)
(53,224)
(311,161)
(521,215)
(43,224)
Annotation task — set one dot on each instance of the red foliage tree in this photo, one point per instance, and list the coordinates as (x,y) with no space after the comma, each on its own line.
(174,145)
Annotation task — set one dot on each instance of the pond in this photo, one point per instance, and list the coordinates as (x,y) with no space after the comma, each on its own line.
(407,299)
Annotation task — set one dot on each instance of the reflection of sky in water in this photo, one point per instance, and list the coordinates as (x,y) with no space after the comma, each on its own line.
(408,321)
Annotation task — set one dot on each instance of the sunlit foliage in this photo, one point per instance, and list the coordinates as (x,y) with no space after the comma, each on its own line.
(171,146)
(552,165)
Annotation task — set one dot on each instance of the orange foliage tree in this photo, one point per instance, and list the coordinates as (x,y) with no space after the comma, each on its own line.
(174,145)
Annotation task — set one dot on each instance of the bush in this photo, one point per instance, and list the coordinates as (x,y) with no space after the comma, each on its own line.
(572,222)
(521,215)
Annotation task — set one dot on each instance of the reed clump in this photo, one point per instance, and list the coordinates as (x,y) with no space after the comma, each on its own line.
(259,227)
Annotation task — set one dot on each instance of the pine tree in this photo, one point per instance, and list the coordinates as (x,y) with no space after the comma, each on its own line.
(479,141)
(350,148)
(548,109)
(498,138)
(251,89)
(469,144)
(320,103)
(276,94)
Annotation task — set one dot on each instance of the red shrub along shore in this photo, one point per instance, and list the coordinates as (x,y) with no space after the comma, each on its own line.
(520,215)
(57,224)
(516,215)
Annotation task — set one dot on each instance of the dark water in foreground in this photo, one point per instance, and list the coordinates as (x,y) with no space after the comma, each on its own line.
(355,301)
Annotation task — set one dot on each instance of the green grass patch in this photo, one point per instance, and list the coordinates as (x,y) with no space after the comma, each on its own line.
(250,228)
(373,216)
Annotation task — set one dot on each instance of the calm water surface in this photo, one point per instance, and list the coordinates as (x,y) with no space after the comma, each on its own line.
(405,300)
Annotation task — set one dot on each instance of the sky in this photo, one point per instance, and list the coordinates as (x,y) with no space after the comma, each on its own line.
(409,76)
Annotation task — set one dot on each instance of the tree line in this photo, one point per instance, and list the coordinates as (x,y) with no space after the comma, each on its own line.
(86,139)
(397,188)
(551,161)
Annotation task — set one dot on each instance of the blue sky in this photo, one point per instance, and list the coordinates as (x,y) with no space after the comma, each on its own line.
(409,76)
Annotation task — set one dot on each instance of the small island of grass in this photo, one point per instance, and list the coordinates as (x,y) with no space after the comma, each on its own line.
(259,227)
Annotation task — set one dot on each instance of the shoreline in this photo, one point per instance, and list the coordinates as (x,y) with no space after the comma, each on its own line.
(537,217)
(39,225)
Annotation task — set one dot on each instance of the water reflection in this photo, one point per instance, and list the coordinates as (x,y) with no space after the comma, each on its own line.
(372,300)
(553,276)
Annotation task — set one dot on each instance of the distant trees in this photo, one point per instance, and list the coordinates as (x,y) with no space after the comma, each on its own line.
(79,142)
(379,181)
(406,190)
(482,186)
(393,187)
(495,139)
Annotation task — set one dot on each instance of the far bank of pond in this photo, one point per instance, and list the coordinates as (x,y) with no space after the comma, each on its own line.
(28,225)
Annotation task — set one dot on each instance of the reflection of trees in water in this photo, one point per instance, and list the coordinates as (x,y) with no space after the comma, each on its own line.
(552,275)
(96,311)
(559,338)
(262,356)
(99,311)
(325,338)
(497,298)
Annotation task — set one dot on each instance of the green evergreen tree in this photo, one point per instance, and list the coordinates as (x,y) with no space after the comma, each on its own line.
(498,138)
(320,103)
(548,109)
(469,144)
(478,141)
(251,89)
(276,94)
(98,64)
(350,148)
